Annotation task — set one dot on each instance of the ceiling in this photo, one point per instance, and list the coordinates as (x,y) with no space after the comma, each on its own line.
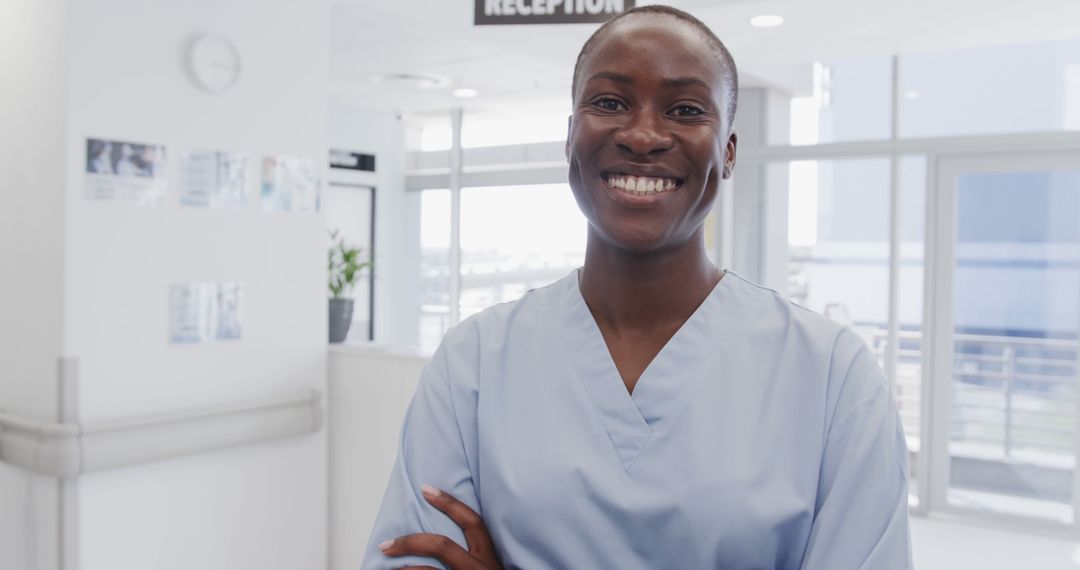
(510,65)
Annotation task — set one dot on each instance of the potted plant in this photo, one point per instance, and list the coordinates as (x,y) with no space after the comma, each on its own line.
(345,268)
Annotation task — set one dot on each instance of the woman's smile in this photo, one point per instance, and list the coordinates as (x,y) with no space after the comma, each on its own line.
(639,190)
(640,184)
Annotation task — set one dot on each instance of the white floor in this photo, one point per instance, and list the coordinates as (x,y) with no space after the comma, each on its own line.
(945,544)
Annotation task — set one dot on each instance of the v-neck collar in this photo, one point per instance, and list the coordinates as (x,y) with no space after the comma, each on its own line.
(630,419)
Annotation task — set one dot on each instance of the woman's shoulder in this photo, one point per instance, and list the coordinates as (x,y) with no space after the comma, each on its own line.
(498,324)
(843,358)
(775,320)
(769,309)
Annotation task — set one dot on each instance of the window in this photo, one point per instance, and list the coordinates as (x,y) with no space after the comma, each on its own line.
(1016,309)
(434,267)
(1003,89)
(516,238)
(836,101)
(838,237)
(512,239)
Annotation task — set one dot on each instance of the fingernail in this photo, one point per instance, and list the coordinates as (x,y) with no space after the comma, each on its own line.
(431,491)
(386,545)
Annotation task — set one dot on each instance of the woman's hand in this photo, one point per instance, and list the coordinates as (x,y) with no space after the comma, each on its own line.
(481,553)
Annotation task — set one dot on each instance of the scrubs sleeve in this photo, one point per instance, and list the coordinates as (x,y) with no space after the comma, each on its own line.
(431,452)
(861,512)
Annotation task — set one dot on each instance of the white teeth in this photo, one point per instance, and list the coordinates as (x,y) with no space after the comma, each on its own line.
(640,185)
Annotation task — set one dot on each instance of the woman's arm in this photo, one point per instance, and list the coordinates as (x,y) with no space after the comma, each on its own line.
(432,451)
(861,515)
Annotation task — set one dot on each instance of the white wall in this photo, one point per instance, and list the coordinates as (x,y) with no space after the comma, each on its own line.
(397,216)
(32,114)
(127,83)
(369,392)
(260,507)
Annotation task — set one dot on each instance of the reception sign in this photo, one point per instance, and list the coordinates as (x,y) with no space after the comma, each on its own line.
(498,12)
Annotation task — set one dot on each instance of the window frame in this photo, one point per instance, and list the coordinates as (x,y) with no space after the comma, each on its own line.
(371,250)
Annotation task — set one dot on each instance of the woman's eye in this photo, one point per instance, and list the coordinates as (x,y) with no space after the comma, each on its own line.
(687,111)
(608,104)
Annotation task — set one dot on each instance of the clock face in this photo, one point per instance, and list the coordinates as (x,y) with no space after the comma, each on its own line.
(214,63)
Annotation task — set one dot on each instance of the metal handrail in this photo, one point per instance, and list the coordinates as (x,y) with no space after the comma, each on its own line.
(1005,369)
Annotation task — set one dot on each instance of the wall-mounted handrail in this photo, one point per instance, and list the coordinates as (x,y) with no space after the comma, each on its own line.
(69,449)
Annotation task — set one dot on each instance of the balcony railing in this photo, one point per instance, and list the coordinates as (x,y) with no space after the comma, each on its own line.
(1014,398)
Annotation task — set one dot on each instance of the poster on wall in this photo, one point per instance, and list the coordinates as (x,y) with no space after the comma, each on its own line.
(125,171)
(289,184)
(202,312)
(211,179)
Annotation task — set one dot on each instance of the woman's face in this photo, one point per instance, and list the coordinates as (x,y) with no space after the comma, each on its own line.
(649,136)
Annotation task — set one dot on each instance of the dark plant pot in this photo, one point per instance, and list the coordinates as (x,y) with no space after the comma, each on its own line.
(340,318)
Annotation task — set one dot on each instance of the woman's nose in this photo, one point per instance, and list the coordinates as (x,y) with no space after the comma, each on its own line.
(643,135)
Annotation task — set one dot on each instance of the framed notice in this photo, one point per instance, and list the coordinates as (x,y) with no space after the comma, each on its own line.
(212,179)
(125,171)
(204,312)
(289,184)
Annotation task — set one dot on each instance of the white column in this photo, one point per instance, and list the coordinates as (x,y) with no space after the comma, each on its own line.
(456,164)
(760,198)
(33,99)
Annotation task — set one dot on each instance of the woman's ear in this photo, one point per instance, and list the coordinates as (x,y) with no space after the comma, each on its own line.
(729,154)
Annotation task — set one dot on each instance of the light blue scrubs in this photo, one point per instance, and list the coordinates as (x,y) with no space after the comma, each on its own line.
(762,436)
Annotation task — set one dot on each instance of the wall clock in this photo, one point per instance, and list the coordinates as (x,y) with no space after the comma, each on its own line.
(213,63)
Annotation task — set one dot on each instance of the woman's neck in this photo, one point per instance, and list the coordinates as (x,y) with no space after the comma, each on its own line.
(632,291)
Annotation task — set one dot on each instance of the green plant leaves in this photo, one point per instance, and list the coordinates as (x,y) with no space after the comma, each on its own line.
(345,265)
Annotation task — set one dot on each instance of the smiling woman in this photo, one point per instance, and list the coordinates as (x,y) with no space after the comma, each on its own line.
(643,111)
(649,410)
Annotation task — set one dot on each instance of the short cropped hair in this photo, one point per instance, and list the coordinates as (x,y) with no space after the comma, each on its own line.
(723,56)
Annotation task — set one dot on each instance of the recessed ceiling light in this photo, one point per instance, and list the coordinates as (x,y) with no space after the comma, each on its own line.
(465,93)
(423,81)
(913,94)
(766,21)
